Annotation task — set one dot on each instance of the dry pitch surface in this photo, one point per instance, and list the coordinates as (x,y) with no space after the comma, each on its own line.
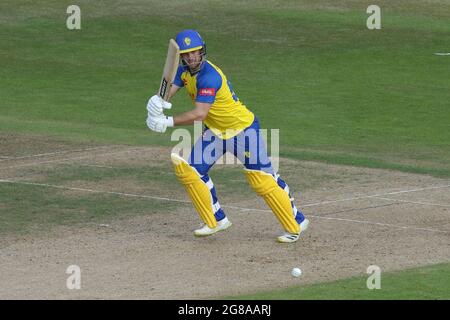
(359,217)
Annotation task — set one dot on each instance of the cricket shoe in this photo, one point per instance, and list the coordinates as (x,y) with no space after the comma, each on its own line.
(293,237)
(207,231)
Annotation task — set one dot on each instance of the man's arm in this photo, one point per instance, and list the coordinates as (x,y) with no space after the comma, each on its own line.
(198,114)
(160,124)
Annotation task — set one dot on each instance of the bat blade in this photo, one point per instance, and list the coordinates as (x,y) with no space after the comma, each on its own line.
(170,69)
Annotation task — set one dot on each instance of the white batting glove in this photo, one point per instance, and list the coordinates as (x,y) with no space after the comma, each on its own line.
(159,124)
(156,105)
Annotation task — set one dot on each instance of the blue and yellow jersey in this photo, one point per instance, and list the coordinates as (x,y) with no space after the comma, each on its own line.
(228,116)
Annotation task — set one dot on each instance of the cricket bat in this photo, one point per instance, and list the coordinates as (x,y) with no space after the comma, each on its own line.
(170,70)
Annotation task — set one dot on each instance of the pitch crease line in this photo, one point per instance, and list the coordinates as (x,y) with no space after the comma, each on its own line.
(52,153)
(380,224)
(234,207)
(374,196)
(92,190)
(67,159)
(416,202)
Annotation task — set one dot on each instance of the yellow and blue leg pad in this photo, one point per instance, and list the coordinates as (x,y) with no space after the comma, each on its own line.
(200,190)
(276,197)
(219,214)
(298,214)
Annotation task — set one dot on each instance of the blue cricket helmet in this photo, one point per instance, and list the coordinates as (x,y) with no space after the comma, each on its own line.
(189,40)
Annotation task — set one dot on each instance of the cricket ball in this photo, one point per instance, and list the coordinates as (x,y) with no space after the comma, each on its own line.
(296,272)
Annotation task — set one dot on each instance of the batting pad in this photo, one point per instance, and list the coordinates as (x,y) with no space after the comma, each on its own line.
(197,190)
(276,198)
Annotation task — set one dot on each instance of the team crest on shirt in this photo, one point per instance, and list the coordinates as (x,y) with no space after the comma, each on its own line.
(207,92)
(247,154)
(187,41)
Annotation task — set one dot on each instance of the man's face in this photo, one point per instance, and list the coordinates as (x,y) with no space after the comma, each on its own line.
(192,58)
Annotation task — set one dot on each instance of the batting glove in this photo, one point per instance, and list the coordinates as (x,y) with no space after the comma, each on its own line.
(156,105)
(159,124)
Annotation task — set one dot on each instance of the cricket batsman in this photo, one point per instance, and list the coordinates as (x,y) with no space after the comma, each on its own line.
(228,126)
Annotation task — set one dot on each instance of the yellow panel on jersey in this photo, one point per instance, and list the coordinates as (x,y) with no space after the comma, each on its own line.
(197,190)
(228,116)
(276,198)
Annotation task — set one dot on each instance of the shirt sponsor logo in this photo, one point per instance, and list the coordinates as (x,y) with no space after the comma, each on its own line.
(207,92)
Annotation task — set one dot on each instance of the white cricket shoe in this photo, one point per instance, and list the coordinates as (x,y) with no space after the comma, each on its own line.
(207,231)
(293,237)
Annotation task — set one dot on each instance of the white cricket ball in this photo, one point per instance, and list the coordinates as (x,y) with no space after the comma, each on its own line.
(296,272)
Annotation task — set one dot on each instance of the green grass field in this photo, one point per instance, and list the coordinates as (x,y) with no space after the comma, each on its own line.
(338,92)
(431,282)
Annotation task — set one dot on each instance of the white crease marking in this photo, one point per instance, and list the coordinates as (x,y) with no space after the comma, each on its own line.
(234,207)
